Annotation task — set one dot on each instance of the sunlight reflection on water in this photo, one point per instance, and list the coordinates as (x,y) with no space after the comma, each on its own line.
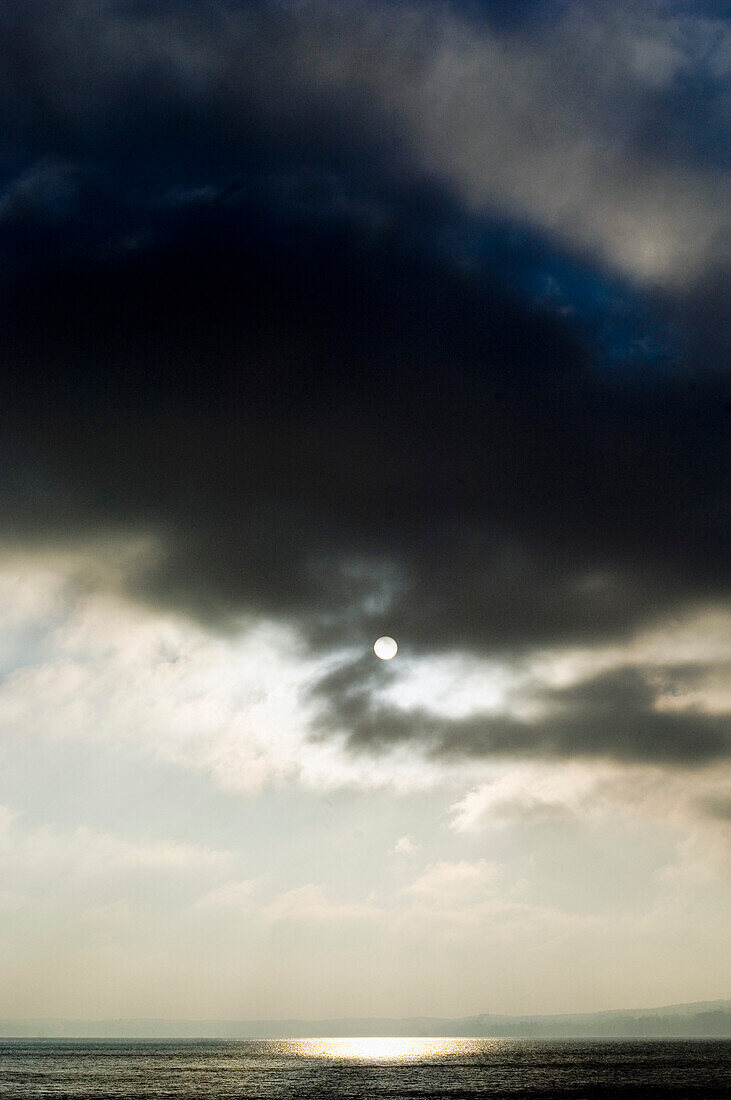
(381,1048)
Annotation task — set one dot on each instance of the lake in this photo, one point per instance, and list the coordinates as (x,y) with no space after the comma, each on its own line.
(369,1068)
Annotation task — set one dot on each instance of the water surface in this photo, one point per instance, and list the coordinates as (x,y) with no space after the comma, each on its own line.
(393,1068)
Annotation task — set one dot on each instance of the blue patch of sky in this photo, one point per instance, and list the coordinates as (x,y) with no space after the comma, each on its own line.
(624,323)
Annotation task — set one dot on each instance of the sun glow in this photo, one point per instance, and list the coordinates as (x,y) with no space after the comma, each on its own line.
(379,1048)
(385,648)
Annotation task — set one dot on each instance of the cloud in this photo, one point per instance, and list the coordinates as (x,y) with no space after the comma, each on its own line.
(405,846)
(453,884)
(703,855)
(256,706)
(81,663)
(621,713)
(293,344)
(717,806)
(689,807)
(542,794)
(163,688)
(509,121)
(41,854)
(235,894)
(45,188)
(515,124)
(310,904)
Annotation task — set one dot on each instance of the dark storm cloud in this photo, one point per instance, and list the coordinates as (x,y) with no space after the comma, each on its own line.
(239,316)
(613,714)
(285,398)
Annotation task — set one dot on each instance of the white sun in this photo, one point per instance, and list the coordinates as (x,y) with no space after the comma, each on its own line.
(385,648)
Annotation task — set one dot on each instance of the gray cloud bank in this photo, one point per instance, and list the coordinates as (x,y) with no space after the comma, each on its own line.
(236,319)
(613,714)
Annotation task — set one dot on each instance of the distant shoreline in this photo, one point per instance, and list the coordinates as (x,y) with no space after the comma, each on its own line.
(700,1020)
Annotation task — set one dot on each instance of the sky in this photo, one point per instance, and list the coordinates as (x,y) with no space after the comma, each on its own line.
(322,320)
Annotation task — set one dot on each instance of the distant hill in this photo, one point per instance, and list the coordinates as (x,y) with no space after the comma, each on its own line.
(704,1019)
